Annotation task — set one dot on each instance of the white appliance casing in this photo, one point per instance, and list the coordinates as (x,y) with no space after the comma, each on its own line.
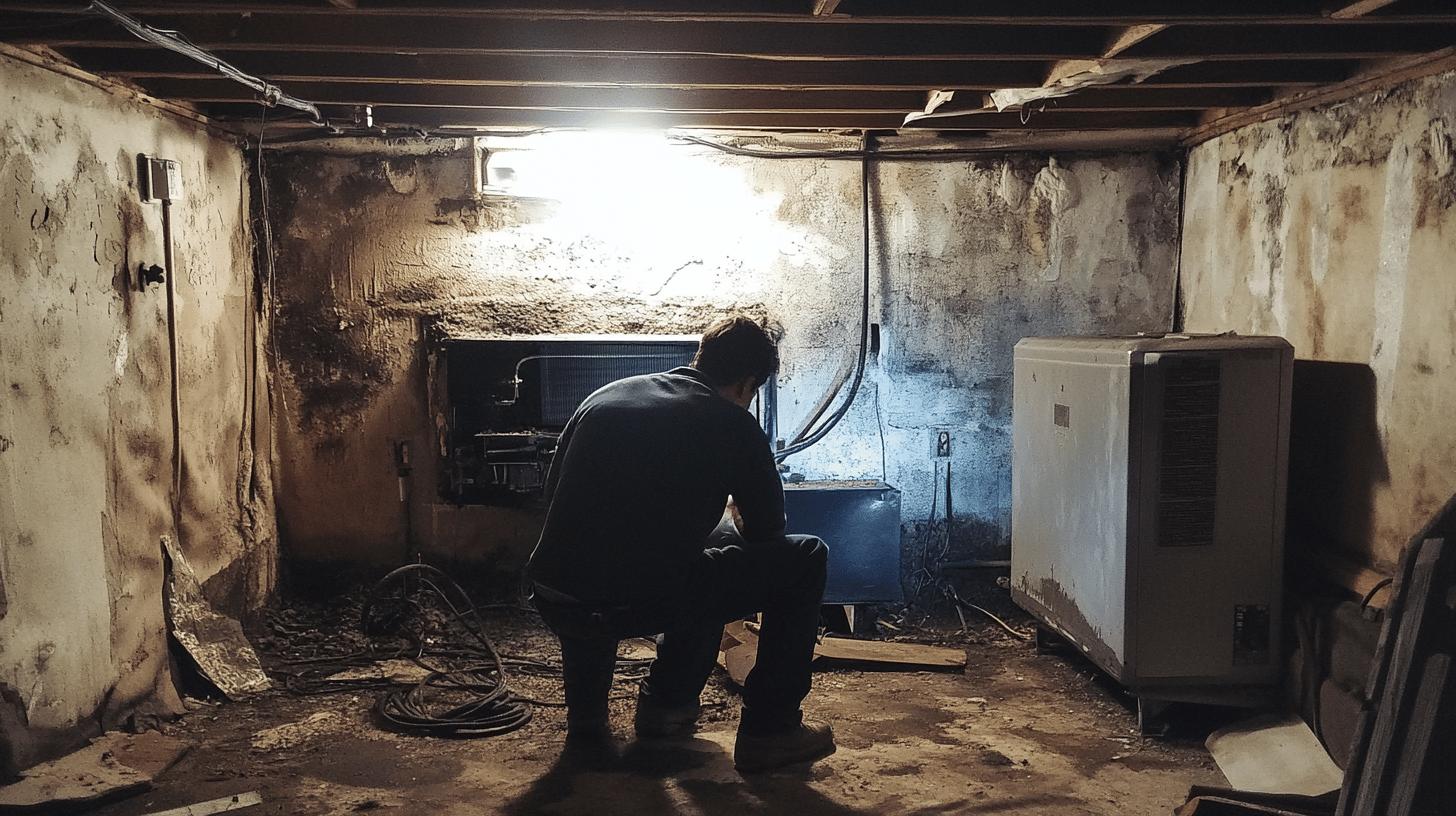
(1148,489)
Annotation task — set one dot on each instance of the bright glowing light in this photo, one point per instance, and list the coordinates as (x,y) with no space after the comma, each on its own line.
(639,197)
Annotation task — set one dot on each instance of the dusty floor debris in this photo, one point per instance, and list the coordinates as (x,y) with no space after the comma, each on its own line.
(113,766)
(1014,733)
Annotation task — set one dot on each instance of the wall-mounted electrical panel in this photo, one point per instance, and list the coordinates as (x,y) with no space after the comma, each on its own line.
(159,179)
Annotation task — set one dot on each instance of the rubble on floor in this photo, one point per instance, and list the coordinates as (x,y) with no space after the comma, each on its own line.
(113,766)
(1011,732)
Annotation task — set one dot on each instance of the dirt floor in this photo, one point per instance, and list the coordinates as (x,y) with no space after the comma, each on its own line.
(1014,733)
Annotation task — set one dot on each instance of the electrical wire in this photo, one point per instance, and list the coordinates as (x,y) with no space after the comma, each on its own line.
(516,378)
(1370,596)
(864,327)
(418,614)
(1175,319)
(906,154)
(270,95)
(880,426)
(956,598)
(268,264)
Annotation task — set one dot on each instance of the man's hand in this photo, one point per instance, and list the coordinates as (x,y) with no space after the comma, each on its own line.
(733,513)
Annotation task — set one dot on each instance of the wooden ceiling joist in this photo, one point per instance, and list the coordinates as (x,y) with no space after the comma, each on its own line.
(352,34)
(1119,13)
(689,101)
(766,64)
(1361,8)
(501,118)
(1126,38)
(1281,42)
(288,32)
(581,71)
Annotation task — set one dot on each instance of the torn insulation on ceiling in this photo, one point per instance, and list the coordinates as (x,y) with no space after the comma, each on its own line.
(1065,79)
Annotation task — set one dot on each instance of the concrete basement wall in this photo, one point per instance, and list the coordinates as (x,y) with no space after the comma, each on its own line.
(1335,228)
(382,249)
(85,422)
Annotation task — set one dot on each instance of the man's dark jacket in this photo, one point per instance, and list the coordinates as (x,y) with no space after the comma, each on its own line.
(639,481)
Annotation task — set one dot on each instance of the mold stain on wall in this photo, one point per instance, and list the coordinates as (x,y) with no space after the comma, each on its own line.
(1348,258)
(383,249)
(85,467)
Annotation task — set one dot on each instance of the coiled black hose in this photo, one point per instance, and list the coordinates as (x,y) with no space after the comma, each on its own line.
(473,700)
(464,692)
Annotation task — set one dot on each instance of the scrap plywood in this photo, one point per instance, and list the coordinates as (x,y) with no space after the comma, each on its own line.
(1272,754)
(112,767)
(886,654)
(739,652)
(225,804)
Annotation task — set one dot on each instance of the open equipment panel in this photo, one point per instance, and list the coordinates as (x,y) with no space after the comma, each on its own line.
(508,399)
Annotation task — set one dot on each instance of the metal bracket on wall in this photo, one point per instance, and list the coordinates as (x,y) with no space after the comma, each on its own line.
(149,275)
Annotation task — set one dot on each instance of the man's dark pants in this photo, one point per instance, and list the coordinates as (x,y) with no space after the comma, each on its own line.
(783,579)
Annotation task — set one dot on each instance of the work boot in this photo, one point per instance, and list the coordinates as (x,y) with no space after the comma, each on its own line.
(656,720)
(805,742)
(596,730)
(590,745)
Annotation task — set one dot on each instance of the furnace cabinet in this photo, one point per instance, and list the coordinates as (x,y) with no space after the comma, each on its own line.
(1148,488)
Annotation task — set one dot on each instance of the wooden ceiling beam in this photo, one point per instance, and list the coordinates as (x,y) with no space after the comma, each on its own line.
(351,34)
(1126,38)
(1121,13)
(684,73)
(1324,42)
(217,90)
(1360,8)
(1388,75)
(580,71)
(434,118)
(1120,41)
(554,98)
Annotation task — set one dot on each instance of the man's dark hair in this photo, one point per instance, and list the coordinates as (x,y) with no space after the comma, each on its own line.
(737,347)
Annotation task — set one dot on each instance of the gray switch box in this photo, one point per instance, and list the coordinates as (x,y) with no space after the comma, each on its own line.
(159,179)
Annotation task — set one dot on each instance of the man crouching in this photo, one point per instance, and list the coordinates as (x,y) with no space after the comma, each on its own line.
(632,547)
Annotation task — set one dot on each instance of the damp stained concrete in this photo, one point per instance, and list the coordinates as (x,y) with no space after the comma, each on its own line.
(1016,733)
(85,420)
(381,254)
(1335,228)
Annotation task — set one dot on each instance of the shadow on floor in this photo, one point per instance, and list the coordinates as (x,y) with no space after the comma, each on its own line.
(692,776)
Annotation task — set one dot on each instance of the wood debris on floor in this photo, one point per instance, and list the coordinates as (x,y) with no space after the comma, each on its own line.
(739,651)
(115,765)
(1005,729)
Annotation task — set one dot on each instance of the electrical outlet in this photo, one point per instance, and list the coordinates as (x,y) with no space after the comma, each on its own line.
(942,445)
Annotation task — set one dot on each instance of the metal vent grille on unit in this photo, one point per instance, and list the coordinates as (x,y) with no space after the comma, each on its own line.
(1189,452)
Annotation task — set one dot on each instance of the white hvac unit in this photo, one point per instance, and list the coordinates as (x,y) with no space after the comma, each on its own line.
(1148,485)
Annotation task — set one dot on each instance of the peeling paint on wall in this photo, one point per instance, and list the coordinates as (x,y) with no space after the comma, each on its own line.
(967,258)
(1335,228)
(85,467)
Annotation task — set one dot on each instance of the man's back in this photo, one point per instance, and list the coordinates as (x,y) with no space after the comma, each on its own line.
(640,479)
